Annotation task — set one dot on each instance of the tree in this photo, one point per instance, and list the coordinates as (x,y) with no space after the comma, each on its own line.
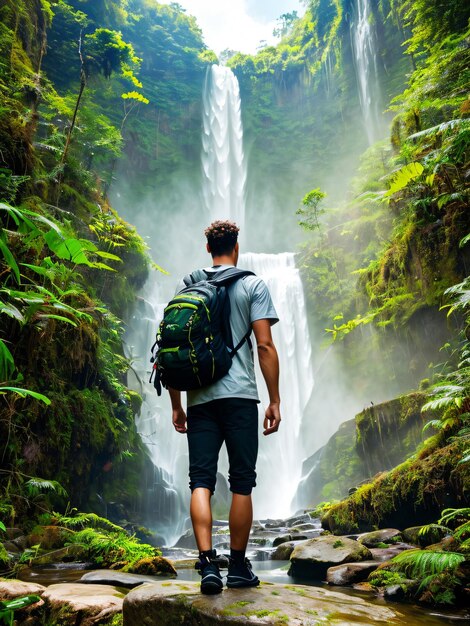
(104,51)
(284,24)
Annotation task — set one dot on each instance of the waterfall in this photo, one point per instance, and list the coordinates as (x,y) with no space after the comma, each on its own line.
(281,454)
(223,162)
(364,46)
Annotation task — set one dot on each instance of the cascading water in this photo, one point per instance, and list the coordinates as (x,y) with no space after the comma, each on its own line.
(223,162)
(281,454)
(365,57)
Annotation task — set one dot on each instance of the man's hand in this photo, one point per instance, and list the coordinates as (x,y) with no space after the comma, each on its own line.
(179,420)
(272,419)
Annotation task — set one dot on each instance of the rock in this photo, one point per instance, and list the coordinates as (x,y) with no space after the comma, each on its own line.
(385,554)
(394,593)
(312,558)
(171,603)
(423,540)
(48,537)
(81,605)
(284,550)
(298,519)
(187,540)
(10,589)
(274,523)
(114,578)
(21,542)
(350,573)
(281,539)
(11,547)
(385,535)
(303,527)
(154,566)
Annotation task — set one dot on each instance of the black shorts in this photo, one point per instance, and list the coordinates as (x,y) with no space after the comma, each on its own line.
(235,421)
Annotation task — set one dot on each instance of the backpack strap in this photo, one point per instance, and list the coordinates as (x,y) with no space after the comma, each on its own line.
(226,277)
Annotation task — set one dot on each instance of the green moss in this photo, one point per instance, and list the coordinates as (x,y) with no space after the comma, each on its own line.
(412,493)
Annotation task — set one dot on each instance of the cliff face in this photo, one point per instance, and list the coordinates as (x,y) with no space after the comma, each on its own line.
(379,438)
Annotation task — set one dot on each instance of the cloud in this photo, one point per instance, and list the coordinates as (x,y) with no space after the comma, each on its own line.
(231,24)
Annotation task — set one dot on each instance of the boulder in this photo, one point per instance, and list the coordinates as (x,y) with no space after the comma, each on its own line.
(284,550)
(168,603)
(11,547)
(154,566)
(350,573)
(304,518)
(11,589)
(434,534)
(385,535)
(187,540)
(114,578)
(385,554)
(312,558)
(73,604)
(281,539)
(301,528)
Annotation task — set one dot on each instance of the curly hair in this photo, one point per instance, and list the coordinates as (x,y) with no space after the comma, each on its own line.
(221,236)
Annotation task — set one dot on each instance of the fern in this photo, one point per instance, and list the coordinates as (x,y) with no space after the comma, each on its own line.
(37,486)
(84,520)
(422,563)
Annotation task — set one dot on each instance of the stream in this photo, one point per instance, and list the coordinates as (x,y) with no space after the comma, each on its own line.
(268,571)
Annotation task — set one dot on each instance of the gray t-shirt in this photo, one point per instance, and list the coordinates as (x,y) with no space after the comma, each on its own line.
(249,301)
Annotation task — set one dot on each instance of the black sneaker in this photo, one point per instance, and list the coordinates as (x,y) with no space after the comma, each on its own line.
(241,575)
(211,581)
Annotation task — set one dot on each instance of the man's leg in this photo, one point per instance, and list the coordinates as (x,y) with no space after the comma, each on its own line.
(201,517)
(240,520)
(241,438)
(204,442)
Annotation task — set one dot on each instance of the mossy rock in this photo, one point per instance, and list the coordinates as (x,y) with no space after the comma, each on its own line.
(417,490)
(49,537)
(153,566)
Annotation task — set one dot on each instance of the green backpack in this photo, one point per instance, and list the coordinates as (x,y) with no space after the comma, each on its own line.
(194,346)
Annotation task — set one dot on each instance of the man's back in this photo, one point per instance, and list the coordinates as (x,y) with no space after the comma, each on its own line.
(249,301)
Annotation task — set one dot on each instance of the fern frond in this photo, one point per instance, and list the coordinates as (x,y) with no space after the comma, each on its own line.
(36,486)
(421,563)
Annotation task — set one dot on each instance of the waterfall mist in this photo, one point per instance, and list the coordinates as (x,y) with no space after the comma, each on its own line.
(364,46)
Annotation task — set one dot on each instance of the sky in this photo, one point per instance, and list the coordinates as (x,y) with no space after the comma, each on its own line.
(238,24)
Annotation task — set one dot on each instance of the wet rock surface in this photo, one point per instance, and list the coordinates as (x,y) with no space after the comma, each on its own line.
(10,589)
(168,603)
(385,535)
(350,573)
(312,558)
(117,579)
(81,605)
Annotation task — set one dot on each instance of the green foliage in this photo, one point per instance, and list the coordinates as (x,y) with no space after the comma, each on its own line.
(105,548)
(82,521)
(384,578)
(8,608)
(420,564)
(310,211)
(402,177)
(37,486)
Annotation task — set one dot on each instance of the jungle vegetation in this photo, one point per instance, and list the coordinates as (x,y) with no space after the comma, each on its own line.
(92,89)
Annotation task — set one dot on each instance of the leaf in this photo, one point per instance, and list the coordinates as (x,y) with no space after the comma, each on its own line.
(108,255)
(11,310)
(403,176)
(57,317)
(7,362)
(26,392)
(10,260)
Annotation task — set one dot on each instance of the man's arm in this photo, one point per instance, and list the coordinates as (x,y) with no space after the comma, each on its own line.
(178,414)
(269,363)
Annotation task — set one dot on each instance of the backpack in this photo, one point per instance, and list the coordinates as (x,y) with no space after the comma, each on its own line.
(194,345)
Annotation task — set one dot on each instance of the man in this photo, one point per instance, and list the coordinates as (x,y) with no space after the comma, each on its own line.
(226,411)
